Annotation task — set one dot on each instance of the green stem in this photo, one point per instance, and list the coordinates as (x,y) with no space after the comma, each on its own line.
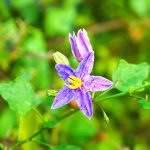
(27,140)
(44,144)
(97,99)
(103,111)
(144,86)
(19,143)
(137,97)
(68,114)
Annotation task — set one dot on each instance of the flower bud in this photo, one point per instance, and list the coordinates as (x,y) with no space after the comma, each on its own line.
(80,44)
(60,58)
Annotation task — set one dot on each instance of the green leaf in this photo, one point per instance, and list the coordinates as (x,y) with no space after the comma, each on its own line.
(19,95)
(144,103)
(130,76)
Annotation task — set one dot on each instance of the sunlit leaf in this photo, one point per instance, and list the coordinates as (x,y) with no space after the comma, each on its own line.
(19,95)
(130,76)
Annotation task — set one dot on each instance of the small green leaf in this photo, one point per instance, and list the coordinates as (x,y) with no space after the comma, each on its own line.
(52,92)
(144,103)
(19,95)
(130,76)
(106,118)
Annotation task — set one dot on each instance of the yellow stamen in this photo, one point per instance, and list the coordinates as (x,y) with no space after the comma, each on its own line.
(75,82)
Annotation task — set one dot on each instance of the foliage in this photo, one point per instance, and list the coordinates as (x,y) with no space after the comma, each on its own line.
(19,95)
(31,32)
(130,76)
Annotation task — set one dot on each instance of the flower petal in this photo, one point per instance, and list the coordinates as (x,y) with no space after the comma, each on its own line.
(84,102)
(64,96)
(86,65)
(74,47)
(64,71)
(83,43)
(97,83)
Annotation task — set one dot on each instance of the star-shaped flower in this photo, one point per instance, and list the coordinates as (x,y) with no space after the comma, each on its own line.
(78,84)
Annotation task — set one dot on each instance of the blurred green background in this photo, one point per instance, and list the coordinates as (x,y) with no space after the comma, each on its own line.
(31,30)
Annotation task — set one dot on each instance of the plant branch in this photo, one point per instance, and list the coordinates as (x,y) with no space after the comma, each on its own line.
(19,143)
(28,139)
(98,99)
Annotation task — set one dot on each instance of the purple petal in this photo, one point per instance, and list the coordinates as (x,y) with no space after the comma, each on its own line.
(84,102)
(64,96)
(86,65)
(74,47)
(83,43)
(97,83)
(64,71)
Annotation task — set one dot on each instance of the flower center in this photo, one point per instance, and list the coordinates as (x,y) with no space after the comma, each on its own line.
(75,82)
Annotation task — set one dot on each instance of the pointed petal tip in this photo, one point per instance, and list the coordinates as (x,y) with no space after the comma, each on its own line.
(55,106)
(52,107)
(91,54)
(70,35)
(84,31)
(110,84)
(74,35)
(89,116)
(80,30)
(57,66)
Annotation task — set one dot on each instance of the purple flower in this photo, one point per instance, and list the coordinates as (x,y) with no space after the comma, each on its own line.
(78,83)
(80,44)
